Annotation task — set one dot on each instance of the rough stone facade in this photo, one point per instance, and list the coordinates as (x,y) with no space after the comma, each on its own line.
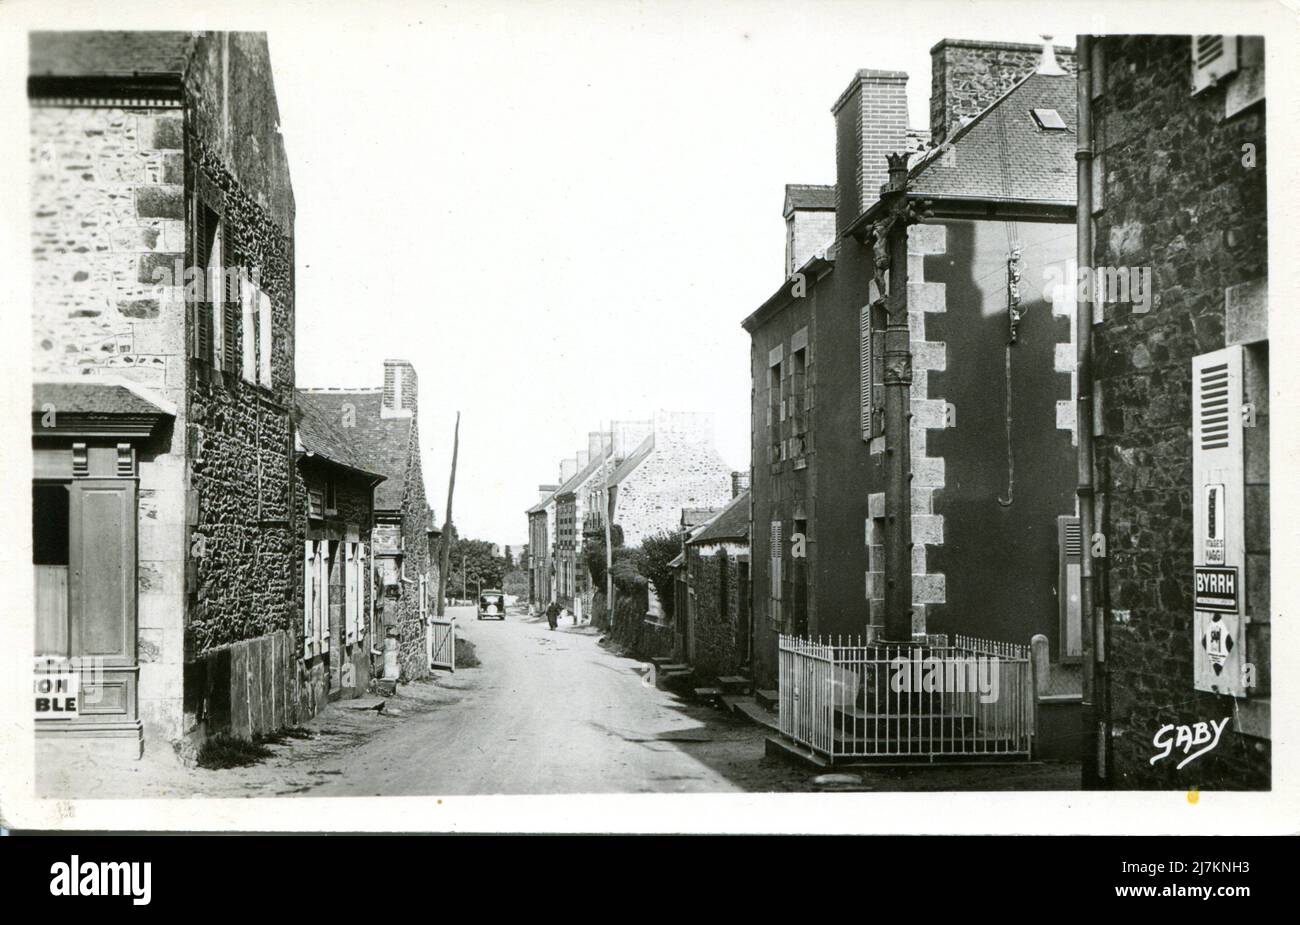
(965,76)
(1182,191)
(713,579)
(683,470)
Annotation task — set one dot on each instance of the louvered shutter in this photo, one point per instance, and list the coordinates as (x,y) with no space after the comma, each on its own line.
(774,554)
(202,310)
(1213,58)
(1218,463)
(1069,546)
(864,370)
(323,592)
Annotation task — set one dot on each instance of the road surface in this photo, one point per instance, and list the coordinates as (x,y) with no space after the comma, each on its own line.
(552,712)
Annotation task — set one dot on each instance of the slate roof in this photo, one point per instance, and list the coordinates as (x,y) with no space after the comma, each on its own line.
(321,432)
(100,53)
(95,397)
(638,456)
(732,523)
(579,477)
(808,196)
(1002,155)
(382,444)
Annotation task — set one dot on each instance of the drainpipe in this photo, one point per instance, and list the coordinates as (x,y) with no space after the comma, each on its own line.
(898,410)
(1094,728)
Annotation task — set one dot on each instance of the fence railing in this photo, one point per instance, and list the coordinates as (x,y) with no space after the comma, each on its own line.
(847,698)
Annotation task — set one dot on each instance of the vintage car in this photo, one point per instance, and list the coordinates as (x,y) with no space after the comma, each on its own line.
(492,605)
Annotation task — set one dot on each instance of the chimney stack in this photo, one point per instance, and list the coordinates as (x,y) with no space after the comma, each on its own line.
(597,443)
(628,435)
(966,76)
(809,214)
(401,389)
(544,491)
(568,469)
(739,483)
(870,122)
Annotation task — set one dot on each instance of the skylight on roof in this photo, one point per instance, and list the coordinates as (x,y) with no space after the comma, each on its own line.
(1049,119)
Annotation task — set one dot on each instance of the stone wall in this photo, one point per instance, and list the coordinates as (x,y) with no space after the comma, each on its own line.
(1179,197)
(966,76)
(247,582)
(717,649)
(105,185)
(412,654)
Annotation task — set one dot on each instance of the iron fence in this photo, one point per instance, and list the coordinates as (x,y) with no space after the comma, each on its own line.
(847,698)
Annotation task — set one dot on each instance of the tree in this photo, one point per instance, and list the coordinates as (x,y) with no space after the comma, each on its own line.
(510,560)
(473,563)
(656,552)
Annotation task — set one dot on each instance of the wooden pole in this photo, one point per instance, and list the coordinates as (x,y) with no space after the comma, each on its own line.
(445,564)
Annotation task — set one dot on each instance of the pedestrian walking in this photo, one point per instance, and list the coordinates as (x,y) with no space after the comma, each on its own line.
(553,614)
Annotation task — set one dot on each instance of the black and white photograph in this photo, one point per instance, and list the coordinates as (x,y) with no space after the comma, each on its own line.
(852,401)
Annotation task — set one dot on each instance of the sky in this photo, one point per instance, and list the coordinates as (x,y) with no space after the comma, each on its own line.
(559,213)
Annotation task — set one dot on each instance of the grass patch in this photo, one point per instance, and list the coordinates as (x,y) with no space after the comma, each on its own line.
(226,751)
(281,735)
(466,657)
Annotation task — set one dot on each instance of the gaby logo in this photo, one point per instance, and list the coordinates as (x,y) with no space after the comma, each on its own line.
(1169,737)
(102,878)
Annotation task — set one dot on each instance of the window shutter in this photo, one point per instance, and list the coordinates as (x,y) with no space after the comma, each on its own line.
(214,283)
(308,602)
(230,329)
(865,370)
(323,595)
(1069,544)
(364,578)
(1213,58)
(350,591)
(266,339)
(248,293)
(774,558)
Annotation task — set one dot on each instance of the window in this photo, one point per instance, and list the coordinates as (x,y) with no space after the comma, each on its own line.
(331,497)
(871,352)
(776,412)
(201,294)
(50,549)
(797,412)
(1049,120)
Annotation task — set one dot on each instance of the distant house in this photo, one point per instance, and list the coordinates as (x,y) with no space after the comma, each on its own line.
(163,353)
(340,625)
(541,543)
(715,622)
(676,466)
(383,425)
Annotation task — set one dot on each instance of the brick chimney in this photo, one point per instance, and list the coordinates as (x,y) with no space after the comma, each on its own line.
(870,122)
(739,483)
(967,75)
(401,389)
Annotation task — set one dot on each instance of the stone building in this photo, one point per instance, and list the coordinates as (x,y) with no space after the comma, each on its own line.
(383,425)
(715,620)
(991,428)
(163,320)
(572,577)
(676,466)
(541,542)
(340,622)
(1181,421)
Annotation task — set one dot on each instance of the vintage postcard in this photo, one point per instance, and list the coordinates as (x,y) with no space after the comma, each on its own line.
(666,416)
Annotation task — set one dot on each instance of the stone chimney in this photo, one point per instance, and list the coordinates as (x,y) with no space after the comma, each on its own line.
(597,443)
(584,457)
(683,428)
(870,122)
(568,469)
(739,483)
(809,214)
(544,491)
(966,76)
(628,435)
(401,389)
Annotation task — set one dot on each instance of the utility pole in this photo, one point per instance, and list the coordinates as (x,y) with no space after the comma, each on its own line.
(445,564)
(609,531)
(889,253)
